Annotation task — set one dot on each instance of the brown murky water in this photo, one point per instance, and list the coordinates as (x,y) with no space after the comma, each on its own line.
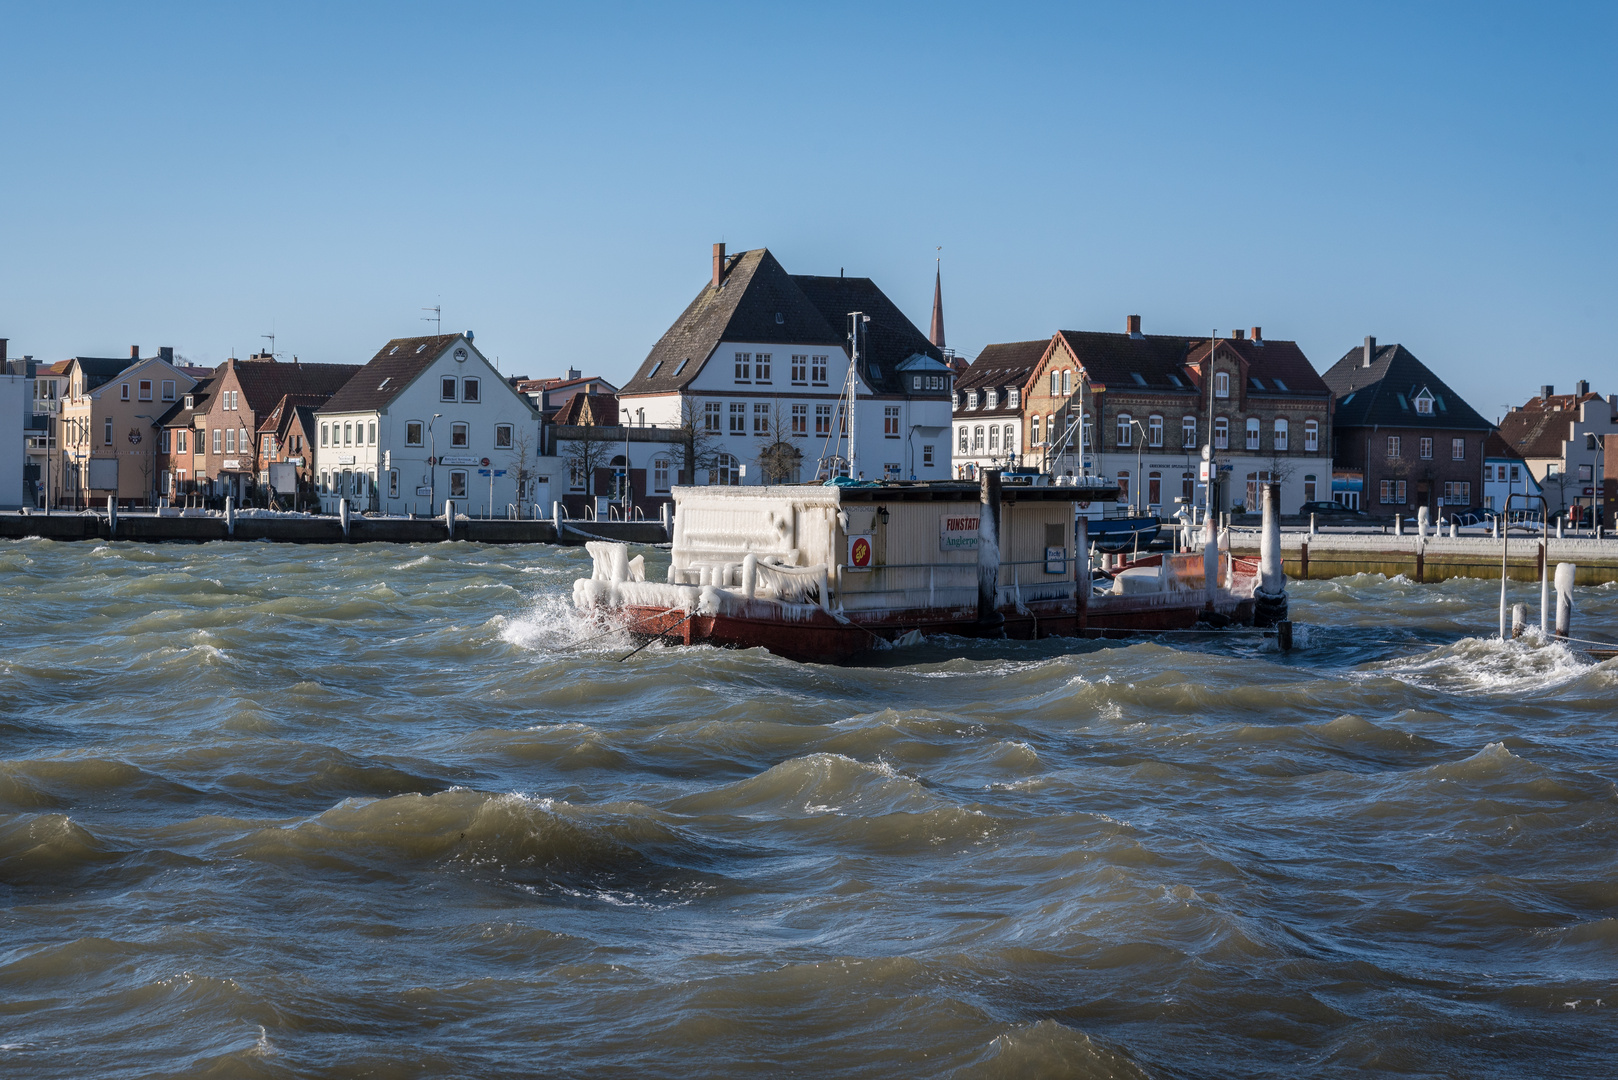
(278,811)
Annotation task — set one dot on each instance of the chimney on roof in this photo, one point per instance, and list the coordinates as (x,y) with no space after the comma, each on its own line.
(1238,335)
(1580,388)
(1132,326)
(1546,391)
(1370,350)
(1258,336)
(166,352)
(718,265)
(2,350)
(575,373)
(134,352)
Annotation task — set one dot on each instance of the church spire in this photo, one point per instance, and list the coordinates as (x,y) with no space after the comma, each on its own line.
(937,335)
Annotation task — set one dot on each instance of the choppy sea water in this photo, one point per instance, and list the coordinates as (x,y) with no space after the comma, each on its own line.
(397,811)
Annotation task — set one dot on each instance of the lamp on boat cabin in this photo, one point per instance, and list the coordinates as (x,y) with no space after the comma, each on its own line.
(882,514)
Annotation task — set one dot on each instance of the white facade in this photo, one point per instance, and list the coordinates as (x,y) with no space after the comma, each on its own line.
(749,394)
(16,403)
(444,436)
(1507,476)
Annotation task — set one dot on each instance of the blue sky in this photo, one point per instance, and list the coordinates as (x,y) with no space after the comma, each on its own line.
(196,176)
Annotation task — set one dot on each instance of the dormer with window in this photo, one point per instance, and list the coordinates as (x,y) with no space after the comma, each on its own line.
(1424,402)
(991,399)
(1013,397)
(971,400)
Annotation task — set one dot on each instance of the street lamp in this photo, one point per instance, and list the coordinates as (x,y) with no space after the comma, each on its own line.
(432,482)
(1591,442)
(1140,448)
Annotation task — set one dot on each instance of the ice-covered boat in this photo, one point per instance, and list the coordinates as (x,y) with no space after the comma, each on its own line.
(822,573)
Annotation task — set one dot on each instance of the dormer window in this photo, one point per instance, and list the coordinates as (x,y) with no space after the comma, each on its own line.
(991,399)
(1424,402)
(972,399)
(1013,397)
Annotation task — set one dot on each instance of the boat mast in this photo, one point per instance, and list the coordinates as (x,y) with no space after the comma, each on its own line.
(855,318)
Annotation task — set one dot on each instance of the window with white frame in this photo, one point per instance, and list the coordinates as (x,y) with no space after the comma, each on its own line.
(1011,437)
(1424,402)
(1252,433)
(393,483)
(123,392)
(1033,430)
(964,440)
(143,389)
(107,432)
(1426,448)
(446,388)
(1067,382)
(1126,435)
(1281,433)
(761,368)
(1056,384)
(412,432)
(1311,435)
(800,370)
(817,370)
(977,439)
(471,390)
(761,418)
(460,436)
(890,421)
(1221,384)
(800,420)
(744,367)
(1014,398)
(1154,431)
(711,413)
(348,435)
(323,429)
(230,440)
(727,471)
(502,436)
(1394,448)
(168,389)
(1457,449)
(994,438)
(370,438)
(457,483)
(822,419)
(971,400)
(660,474)
(738,418)
(991,399)
(1221,433)
(1188,432)
(218,439)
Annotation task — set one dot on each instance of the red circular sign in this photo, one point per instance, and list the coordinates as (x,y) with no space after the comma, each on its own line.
(860,553)
(485,463)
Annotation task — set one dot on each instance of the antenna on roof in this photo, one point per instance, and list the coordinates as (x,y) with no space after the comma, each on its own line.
(271,337)
(436,318)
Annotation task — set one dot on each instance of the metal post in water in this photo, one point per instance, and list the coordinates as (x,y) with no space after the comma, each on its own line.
(1519,620)
(1081,569)
(1544,591)
(556,516)
(1504,545)
(1270,598)
(230,515)
(449,519)
(1313,528)
(342,515)
(112,517)
(1565,573)
(989,549)
(1210,557)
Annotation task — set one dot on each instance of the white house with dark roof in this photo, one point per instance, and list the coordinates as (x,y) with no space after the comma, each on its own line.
(760,361)
(428,419)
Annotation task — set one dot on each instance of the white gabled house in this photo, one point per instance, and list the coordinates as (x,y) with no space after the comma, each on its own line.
(427,420)
(760,362)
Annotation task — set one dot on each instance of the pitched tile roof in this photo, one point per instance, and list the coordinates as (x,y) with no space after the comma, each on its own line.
(394,367)
(1380,395)
(1536,433)
(178,414)
(1496,447)
(1115,359)
(598,409)
(265,382)
(759,302)
(1280,366)
(98,369)
(1010,363)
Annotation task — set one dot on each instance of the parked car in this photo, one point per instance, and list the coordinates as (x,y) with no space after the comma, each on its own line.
(1324,509)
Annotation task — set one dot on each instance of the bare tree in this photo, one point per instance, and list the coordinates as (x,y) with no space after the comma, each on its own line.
(778,459)
(587,450)
(695,450)
(522,463)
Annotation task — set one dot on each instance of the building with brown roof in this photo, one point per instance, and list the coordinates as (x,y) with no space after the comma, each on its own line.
(1553,434)
(1404,439)
(1150,402)
(245,393)
(108,427)
(763,362)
